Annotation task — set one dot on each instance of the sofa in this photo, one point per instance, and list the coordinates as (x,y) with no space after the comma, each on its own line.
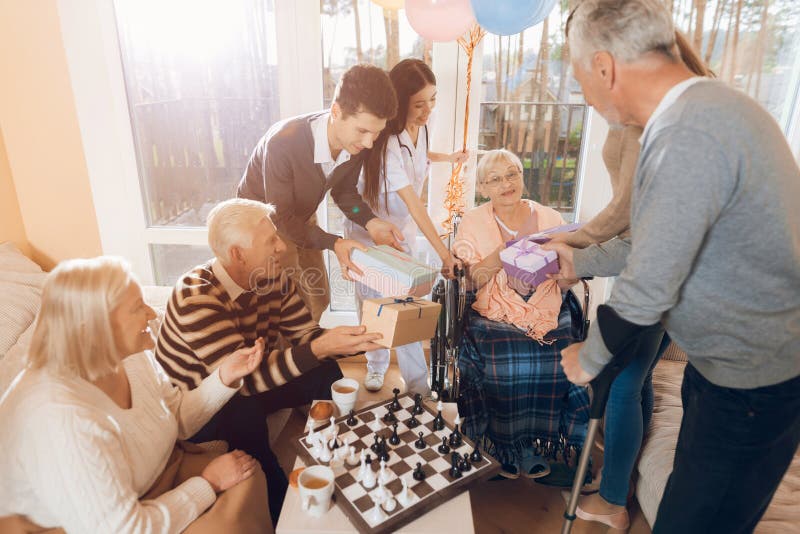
(658,451)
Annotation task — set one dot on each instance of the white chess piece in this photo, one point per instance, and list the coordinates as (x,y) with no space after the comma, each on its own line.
(352,459)
(389,504)
(334,434)
(376,515)
(324,454)
(405,497)
(458,421)
(311,433)
(382,493)
(439,406)
(383,476)
(368,478)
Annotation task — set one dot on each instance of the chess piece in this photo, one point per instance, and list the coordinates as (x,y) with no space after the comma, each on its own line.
(443,448)
(332,430)
(383,450)
(420,443)
(382,493)
(413,422)
(417,404)
(455,436)
(351,419)
(383,475)
(374,447)
(311,437)
(465,465)
(455,472)
(333,442)
(395,405)
(352,459)
(438,421)
(376,515)
(394,439)
(324,454)
(368,478)
(406,497)
(389,504)
(389,418)
(418,473)
(475,457)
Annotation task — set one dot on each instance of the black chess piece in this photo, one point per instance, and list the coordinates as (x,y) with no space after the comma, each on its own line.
(351,419)
(395,405)
(413,422)
(438,421)
(420,443)
(394,439)
(455,438)
(455,459)
(443,448)
(375,445)
(389,418)
(335,443)
(417,404)
(383,450)
(418,473)
(475,457)
(465,464)
(368,460)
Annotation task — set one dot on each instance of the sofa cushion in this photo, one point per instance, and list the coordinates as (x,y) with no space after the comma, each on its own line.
(21,283)
(658,453)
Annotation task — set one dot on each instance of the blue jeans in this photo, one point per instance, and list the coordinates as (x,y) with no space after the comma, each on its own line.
(733,450)
(628,413)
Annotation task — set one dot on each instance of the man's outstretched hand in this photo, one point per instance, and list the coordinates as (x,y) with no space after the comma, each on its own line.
(344,340)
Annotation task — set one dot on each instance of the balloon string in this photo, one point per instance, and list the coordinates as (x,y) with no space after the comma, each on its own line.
(454,200)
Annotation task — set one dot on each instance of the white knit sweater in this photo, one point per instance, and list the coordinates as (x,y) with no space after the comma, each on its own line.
(70,457)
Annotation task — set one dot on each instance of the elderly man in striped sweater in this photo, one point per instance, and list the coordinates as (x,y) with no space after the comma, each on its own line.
(238,297)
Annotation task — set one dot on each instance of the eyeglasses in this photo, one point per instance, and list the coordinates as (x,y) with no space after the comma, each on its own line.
(495,180)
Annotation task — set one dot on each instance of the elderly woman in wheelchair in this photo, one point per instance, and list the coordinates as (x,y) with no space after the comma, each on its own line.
(516,399)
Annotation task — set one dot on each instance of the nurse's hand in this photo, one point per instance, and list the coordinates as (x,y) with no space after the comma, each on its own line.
(450,265)
(458,157)
(342,248)
(385,233)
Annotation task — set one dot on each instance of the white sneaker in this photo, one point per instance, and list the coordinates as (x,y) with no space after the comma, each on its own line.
(373,381)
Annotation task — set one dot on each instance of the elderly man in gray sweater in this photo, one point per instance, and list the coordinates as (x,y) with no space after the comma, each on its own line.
(714,256)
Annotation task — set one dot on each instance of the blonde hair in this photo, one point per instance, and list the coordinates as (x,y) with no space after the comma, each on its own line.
(231,223)
(494,156)
(73,334)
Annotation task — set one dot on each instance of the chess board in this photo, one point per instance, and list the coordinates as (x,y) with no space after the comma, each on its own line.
(437,487)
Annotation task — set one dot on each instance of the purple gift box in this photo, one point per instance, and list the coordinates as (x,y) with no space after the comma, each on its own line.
(544,236)
(525,260)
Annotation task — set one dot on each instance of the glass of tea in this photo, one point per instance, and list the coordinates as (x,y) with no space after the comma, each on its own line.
(316,489)
(344,393)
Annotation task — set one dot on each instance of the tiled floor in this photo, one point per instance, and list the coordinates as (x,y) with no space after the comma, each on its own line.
(500,507)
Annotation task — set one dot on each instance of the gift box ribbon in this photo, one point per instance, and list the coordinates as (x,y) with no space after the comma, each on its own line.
(531,248)
(407,300)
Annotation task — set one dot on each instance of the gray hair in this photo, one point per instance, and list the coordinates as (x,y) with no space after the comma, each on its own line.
(232,222)
(491,158)
(626,29)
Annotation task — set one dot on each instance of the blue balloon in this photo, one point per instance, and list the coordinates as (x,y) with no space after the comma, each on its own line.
(509,17)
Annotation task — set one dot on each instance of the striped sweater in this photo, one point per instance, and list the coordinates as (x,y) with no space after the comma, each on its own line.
(202,325)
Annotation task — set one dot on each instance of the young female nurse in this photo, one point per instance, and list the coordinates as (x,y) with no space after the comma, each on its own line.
(391,183)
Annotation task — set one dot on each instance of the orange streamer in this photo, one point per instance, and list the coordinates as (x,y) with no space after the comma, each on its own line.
(454,200)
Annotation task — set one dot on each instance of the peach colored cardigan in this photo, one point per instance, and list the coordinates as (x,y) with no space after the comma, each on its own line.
(479,236)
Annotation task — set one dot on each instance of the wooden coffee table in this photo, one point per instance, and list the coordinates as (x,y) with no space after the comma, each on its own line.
(454,515)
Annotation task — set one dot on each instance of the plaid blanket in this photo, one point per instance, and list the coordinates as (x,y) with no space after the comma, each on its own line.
(514,394)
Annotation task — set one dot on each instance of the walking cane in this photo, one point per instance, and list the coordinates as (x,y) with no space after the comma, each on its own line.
(646,341)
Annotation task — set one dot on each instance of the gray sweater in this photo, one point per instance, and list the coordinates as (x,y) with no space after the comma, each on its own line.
(715,240)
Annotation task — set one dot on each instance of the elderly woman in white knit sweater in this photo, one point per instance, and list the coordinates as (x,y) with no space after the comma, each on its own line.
(90,426)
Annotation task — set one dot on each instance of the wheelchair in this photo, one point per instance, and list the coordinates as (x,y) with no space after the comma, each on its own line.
(443,374)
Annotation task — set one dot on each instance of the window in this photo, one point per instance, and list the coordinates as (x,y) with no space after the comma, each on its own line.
(753,45)
(532,106)
(202,88)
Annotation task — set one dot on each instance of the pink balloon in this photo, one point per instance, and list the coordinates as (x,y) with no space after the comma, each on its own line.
(440,20)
